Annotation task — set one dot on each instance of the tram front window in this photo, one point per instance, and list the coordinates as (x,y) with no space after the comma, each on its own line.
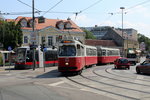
(21,54)
(67,51)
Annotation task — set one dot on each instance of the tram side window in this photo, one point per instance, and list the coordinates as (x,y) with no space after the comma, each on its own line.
(99,52)
(36,56)
(78,50)
(82,50)
(55,56)
(103,52)
(29,57)
(94,52)
(115,53)
(87,51)
(109,53)
(50,55)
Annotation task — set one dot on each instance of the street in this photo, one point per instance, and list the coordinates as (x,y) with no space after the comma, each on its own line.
(101,82)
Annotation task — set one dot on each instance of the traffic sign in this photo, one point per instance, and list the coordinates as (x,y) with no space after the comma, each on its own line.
(9,48)
(45,49)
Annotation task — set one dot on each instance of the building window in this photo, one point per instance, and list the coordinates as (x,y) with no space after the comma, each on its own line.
(58,38)
(42,40)
(50,40)
(23,23)
(25,39)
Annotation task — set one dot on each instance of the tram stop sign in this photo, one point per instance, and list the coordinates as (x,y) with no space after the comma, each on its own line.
(9,48)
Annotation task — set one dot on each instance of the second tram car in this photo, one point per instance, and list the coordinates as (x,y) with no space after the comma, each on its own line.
(107,55)
(74,56)
(24,58)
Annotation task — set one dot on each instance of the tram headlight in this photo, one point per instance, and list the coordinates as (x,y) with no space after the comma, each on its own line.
(66,63)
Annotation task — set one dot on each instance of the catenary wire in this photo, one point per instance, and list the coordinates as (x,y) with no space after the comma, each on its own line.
(28,5)
(52,7)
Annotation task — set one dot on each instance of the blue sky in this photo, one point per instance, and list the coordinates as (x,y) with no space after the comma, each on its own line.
(137,12)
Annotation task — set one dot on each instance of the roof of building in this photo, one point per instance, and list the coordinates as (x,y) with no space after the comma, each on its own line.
(105,43)
(47,23)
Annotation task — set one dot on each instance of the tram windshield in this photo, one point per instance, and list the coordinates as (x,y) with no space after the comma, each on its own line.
(68,50)
(21,54)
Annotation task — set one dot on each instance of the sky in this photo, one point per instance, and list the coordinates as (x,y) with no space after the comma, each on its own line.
(89,13)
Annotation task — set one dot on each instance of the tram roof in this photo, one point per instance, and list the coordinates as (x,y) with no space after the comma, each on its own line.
(100,47)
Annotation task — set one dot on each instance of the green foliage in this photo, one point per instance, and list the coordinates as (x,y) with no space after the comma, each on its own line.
(146,40)
(89,35)
(10,34)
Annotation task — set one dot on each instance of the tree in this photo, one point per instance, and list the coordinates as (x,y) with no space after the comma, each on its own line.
(89,35)
(10,34)
(146,40)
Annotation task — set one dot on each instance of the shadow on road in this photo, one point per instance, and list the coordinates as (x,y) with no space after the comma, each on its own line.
(50,74)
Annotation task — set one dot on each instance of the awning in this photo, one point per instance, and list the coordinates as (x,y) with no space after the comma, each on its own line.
(138,51)
(131,51)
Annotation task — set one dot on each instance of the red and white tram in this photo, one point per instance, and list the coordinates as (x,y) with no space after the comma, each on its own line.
(107,55)
(24,58)
(73,56)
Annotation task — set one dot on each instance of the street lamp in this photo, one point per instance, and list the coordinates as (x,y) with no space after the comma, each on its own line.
(122,8)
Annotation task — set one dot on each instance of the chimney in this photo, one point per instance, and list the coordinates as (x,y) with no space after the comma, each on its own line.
(96,25)
(68,18)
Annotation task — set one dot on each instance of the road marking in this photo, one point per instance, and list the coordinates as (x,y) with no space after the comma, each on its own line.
(139,77)
(57,83)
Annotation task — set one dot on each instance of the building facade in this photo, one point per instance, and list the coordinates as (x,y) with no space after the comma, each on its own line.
(48,31)
(125,39)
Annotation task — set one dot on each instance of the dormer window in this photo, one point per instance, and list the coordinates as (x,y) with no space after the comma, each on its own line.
(67,25)
(31,23)
(23,22)
(60,25)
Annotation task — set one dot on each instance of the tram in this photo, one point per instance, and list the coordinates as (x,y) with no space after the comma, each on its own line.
(73,56)
(24,58)
(107,55)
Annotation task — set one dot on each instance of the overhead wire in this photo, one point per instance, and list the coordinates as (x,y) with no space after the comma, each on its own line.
(138,4)
(134,6)
(52,7)
(76,14)
(18,13)
(28,5)
(91,5)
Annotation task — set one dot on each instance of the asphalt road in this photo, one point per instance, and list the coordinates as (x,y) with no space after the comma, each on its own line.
(95,83)
(40,85)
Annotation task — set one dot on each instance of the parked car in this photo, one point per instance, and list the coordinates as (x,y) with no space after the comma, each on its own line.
(121,62)
(143,67)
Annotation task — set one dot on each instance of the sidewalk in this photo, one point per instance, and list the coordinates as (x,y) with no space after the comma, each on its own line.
(5,68)
(37,71)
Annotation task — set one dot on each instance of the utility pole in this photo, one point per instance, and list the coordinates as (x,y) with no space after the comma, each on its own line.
(33,32)
(122,8)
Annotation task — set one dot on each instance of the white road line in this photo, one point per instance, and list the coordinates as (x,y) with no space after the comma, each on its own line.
(57,83)
(139,77)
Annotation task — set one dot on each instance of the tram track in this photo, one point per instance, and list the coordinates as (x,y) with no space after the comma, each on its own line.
(122,88)
(101,90)
(122,76)
(115,85)
(116,79)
